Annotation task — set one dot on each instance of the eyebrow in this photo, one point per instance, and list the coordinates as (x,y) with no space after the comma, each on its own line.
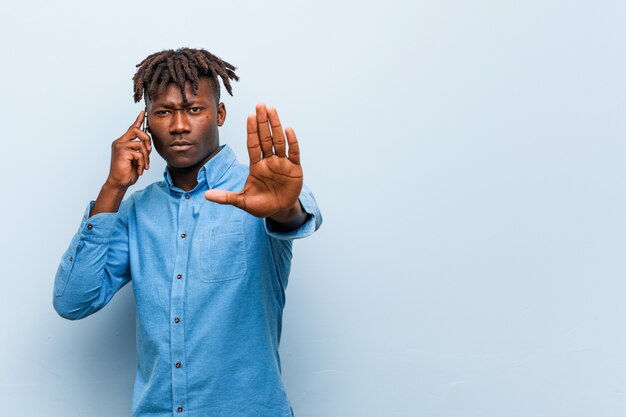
(172,105)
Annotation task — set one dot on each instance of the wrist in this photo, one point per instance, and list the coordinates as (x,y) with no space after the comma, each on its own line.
(289,219)
(113,187)
(109,199)
(287,214)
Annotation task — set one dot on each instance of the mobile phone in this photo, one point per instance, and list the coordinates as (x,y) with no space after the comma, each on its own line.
(144,124)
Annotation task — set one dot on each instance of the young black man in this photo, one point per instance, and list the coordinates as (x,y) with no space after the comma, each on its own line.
(208,249)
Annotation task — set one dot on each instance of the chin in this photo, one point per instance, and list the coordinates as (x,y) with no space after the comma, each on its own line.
(182,163)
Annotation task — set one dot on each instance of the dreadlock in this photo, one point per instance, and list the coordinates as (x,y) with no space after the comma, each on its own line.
(157,70)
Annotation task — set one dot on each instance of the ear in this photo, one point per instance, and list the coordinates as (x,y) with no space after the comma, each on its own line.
(221,114)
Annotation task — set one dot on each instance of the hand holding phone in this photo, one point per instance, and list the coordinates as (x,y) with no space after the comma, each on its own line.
(130,156)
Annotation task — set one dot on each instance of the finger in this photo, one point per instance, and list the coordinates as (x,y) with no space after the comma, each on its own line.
(226,197)
(278,138)
(143,136)
(264,130)
(139,146)
(139,120)
(254,146)
(294,148)
(138,157)
(145,139)
(137,133)
(131,134)
(134,133)
(135,157)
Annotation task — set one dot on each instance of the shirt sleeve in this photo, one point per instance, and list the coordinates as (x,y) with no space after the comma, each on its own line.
(94,267)
(313,222)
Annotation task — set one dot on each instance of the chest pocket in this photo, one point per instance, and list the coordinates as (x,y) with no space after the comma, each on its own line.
(223,253)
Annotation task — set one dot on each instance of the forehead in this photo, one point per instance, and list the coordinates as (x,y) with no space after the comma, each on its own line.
(171,94)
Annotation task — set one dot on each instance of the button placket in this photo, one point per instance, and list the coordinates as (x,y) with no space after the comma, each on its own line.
(177,331)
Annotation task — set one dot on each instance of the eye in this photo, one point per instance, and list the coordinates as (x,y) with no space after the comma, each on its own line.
(195,109)
(161,112)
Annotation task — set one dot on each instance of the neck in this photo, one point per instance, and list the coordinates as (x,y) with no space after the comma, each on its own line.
(187,178)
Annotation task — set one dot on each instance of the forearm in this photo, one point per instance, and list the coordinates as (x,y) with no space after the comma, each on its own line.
(93,268)
(78,283)
(108,200)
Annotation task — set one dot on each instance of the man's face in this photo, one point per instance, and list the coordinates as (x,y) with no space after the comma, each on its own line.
(185,135)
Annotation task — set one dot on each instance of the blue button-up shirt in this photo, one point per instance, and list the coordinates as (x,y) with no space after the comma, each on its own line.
(209,283)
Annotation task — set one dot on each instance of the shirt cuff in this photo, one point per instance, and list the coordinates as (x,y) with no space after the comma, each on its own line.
(98,227)
(313,222)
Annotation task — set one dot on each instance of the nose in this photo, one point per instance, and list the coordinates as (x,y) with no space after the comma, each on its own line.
(180,122)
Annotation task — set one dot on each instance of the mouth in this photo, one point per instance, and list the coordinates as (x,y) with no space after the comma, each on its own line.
(180,146)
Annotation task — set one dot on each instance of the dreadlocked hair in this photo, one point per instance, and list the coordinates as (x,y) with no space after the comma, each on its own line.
(157,70)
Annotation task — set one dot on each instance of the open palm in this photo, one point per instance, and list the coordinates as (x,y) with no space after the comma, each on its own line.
(275,178)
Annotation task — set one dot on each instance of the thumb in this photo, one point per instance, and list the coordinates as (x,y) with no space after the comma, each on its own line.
(224,197)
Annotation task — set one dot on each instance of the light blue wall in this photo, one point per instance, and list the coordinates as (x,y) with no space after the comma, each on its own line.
(469,157)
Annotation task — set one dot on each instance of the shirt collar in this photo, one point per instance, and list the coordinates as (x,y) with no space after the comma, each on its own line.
(212,171)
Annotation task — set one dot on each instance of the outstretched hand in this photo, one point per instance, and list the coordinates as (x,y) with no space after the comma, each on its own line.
(275,178)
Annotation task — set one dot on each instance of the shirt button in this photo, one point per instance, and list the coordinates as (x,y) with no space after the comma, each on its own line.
(187,196)
(178,365)
(71,259)
(89,226)
(177,320)
(179,409)
(179,276)
(183,235)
